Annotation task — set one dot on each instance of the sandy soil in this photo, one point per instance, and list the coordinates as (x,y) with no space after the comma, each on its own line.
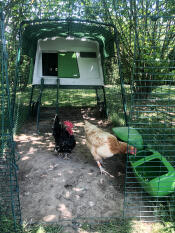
(54,189)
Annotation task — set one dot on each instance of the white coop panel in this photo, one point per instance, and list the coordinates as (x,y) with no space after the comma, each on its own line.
(74,61)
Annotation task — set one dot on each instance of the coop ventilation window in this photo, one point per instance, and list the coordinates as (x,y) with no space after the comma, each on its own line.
(88,54)
(61,64)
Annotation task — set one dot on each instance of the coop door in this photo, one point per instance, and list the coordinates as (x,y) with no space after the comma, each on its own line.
(68,65)
(49,64)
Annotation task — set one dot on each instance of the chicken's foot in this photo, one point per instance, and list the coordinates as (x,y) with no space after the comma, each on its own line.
(63,155)
(66,156)
(102,170)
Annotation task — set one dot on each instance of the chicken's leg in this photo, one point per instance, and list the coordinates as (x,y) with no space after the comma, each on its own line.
(103,171)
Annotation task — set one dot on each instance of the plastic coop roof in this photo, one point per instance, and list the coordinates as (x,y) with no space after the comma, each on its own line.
(33,31)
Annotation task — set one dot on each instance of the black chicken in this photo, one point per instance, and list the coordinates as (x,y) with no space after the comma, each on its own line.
(63,135)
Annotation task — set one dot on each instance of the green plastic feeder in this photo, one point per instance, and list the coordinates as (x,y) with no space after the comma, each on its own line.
(154,172)
(134,138)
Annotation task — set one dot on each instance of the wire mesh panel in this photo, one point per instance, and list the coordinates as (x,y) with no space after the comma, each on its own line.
(9,200)
(151,172)
(102,33)
(47,19)
(86,207)
(149,192)
(150,177)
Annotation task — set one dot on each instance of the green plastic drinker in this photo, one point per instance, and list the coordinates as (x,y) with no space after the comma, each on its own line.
(134,139)
(154,172)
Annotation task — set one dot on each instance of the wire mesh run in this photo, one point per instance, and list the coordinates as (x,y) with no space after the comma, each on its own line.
(9,199)
(150,173)
(80,99)
(149,191)
(104,34)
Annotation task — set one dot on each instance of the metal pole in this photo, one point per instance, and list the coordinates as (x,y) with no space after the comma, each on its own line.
(39,102)
(116,36)
(31,98)
(57,97)
(104,97)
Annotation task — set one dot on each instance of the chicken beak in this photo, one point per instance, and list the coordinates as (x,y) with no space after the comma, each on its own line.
(132,150)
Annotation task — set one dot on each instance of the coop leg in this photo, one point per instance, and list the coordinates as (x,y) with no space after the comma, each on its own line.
(39,103)
(97,96)
(57,97)
(31,98)
(104,97)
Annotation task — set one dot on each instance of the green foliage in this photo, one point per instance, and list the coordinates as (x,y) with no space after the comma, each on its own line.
(43,228)
(147,23)
(114,226)
(134,20)
(7,225)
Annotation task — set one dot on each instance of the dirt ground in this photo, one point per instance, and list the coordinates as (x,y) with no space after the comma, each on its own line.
(53,188)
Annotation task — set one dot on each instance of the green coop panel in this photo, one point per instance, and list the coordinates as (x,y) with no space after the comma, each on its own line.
(134,138)
(68,65)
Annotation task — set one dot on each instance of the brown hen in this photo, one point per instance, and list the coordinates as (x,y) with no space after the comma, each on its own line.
(103,145)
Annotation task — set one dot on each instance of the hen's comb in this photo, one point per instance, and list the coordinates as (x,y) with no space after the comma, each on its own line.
(68,123)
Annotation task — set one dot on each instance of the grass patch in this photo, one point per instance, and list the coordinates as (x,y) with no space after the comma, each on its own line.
(151,119)
(117,226)
(70,97)
(43,228)
(7,225)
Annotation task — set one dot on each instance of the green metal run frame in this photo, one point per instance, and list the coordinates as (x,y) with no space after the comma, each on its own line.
(34,107)
(150,173)
(69,21)
(149,185)
(9,191)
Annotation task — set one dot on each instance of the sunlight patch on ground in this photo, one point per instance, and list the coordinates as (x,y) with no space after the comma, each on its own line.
(64,211)
(25,158)
(50,145)
(32,150)
(49,218)
(145,227)
(78,189)
(67,194)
